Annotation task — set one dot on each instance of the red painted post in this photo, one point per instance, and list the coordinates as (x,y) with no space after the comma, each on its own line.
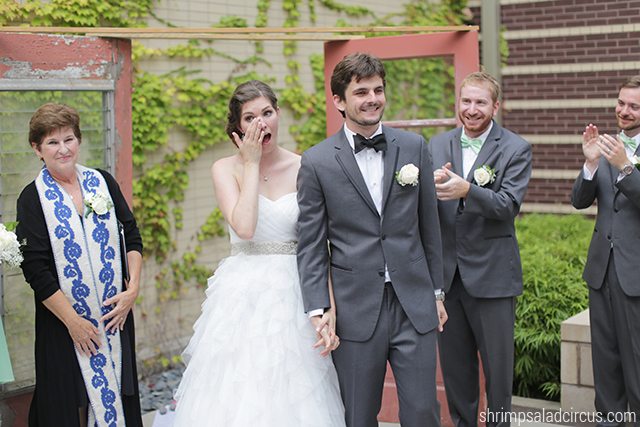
(74,59)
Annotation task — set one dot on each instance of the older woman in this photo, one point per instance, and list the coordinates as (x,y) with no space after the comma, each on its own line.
(84,348)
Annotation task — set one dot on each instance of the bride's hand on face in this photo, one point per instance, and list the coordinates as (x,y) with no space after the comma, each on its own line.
(250,144)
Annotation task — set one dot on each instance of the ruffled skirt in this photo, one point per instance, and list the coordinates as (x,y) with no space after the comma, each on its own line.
(250,361)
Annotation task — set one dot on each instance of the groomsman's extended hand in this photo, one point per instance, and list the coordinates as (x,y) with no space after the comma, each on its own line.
(449,185)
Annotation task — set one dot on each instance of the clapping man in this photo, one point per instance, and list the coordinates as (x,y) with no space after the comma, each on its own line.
(610,175)
(484,170)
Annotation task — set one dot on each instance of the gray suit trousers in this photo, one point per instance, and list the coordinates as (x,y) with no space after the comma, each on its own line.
(484,325)
(361,368)
(615,349)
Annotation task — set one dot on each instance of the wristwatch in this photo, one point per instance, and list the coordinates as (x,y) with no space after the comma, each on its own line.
(439,295)
(627,169)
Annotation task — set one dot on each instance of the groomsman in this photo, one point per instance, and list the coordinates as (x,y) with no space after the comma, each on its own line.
(610,175)
(483,174)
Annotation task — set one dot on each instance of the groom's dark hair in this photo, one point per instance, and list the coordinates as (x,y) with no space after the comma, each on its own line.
(356,65)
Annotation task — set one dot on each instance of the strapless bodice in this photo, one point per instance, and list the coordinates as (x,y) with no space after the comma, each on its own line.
(277,221)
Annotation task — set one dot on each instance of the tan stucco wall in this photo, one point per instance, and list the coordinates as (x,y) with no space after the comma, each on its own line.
(168,330)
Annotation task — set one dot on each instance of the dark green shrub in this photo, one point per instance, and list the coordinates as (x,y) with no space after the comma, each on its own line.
(553,250)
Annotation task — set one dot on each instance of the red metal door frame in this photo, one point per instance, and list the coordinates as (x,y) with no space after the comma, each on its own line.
(53,62)
(461,45)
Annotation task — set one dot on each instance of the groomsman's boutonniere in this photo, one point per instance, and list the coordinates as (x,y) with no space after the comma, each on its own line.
(636,162)
(408,175)
(98,203)
(484,175)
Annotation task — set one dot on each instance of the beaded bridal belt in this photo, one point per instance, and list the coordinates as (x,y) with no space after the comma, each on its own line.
(264,248)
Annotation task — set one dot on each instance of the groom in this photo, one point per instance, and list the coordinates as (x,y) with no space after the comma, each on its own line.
(369,223)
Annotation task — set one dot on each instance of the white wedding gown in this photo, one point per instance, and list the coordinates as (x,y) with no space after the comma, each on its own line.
(250,362)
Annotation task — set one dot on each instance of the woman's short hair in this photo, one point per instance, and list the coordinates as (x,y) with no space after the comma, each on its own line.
(50,117)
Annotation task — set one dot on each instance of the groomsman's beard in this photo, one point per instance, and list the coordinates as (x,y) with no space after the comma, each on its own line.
(633,127)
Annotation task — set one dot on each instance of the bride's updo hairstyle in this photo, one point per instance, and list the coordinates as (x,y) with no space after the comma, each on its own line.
(245,92)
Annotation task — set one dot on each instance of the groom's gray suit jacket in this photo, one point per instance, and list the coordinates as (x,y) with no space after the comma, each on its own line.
(479,236)
(336,207)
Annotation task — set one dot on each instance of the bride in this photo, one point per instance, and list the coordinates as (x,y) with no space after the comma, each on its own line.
(254,358)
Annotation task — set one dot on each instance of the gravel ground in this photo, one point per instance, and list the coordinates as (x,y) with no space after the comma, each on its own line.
(156,391)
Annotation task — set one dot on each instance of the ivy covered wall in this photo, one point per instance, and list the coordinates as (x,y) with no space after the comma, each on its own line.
(180,98)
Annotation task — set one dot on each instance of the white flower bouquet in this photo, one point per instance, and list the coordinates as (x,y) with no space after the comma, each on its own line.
(10,253)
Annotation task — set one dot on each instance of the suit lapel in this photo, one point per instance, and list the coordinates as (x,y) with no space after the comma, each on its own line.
(614,177)
(347,161)
(490,144)
(390,165)
(456,153)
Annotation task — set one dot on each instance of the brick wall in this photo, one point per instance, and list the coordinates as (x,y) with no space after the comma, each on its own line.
(549,190)
(552,14)
(601,84)
(566,61)
(574,49)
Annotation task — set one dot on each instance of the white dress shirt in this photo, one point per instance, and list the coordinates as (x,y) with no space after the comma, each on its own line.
(468,155)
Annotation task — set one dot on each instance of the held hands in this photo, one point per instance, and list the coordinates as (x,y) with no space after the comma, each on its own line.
(122,305)
(450,186)
(84,336)
(250,144)
(325,327)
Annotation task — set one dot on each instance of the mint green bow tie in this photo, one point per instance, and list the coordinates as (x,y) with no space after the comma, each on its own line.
(628,141)
(474,143)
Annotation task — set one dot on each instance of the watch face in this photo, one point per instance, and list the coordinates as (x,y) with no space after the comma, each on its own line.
(627,169)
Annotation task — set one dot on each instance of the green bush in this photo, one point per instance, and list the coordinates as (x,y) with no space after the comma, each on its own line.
(553,250)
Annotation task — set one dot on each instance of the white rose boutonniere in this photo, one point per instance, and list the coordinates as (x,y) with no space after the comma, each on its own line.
(484,175)
(408,175)
(10,253)
(636,162)
(98,203)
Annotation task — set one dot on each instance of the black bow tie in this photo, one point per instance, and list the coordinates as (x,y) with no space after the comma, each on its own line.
(378,143)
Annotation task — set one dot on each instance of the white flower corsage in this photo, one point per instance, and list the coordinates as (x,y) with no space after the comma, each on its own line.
(98,203)
(408,175)
(484,175)
(9,248)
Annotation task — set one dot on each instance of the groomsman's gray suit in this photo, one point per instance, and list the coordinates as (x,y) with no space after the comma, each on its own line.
(376,322)
(611,271)
(482,271)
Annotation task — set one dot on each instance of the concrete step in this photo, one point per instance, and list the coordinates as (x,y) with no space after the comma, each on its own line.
(530,413)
